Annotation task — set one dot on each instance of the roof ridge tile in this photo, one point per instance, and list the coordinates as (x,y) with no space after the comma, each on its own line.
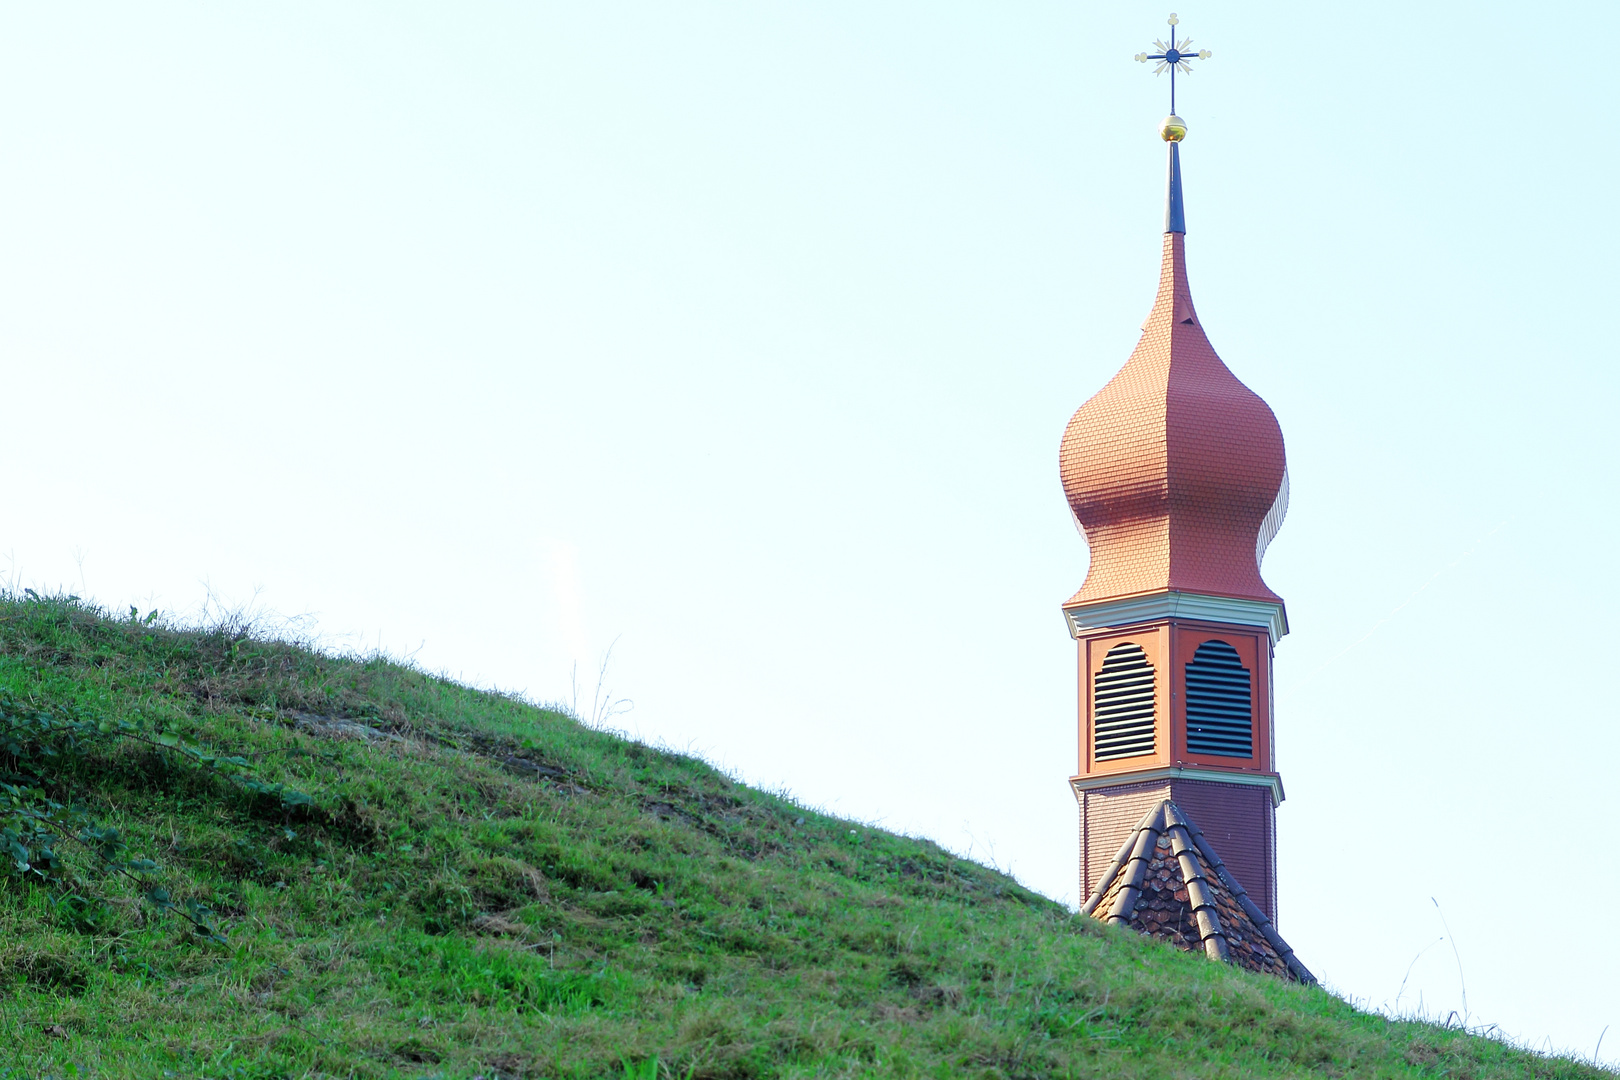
(1176,893)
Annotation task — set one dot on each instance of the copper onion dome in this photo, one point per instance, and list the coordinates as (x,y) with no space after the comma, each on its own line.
(1175,469)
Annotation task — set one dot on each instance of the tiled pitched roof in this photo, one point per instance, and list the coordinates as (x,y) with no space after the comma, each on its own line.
(1168,881)
(1174,468)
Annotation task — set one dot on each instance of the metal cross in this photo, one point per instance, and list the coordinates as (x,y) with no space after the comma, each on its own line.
(1173,55)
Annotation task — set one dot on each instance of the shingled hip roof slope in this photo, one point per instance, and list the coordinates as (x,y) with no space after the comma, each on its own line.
(1168,881)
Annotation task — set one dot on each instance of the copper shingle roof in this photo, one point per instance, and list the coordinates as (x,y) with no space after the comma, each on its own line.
(1167,881)
(1174,467)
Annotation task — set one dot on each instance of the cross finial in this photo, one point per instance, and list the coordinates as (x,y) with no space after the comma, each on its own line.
(1175,56)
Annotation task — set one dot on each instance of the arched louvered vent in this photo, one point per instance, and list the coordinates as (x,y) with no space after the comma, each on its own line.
(1220,702)
(1122,704)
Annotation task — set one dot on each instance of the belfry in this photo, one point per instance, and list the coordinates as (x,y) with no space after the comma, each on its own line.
(1176,473)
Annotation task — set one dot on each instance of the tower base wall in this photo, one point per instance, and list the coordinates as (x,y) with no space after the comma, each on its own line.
(1239,821)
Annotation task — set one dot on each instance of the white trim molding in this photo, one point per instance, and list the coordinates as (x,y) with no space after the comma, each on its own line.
(1181,772)
(1107,614)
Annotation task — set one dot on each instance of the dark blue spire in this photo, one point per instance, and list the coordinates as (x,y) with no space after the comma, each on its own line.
(1175,218)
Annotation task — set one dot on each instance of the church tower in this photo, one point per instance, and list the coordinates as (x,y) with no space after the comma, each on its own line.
(1176,473)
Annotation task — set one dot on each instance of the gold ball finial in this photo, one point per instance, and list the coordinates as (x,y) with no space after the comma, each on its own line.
(1174,128)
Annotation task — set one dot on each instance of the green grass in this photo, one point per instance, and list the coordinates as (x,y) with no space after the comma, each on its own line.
(504,892)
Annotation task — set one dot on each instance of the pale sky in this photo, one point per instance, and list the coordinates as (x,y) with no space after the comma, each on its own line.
(744,335)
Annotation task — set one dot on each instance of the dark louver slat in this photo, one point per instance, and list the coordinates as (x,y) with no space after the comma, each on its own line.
(1123,704)
(1220,702)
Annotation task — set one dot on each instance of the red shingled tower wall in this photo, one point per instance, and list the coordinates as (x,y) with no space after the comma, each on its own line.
(1177,474)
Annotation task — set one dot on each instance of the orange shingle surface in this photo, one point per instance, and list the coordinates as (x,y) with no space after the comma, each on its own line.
(1172,467)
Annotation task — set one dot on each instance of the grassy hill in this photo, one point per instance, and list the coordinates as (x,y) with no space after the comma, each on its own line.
(336,867)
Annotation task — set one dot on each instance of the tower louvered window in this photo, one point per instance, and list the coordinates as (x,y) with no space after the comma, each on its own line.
(1220,702)
(1122,704)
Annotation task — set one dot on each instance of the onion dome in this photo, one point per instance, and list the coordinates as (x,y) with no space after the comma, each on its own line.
(1175,470)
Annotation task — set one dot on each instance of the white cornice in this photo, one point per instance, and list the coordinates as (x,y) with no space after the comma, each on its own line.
(1106,614)
(1181,772)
